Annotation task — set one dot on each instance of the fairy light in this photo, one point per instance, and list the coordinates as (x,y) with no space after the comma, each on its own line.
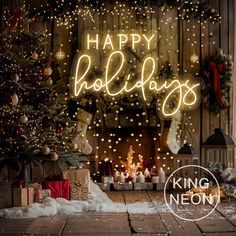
(126,13)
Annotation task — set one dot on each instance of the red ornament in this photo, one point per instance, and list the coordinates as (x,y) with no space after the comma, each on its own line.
(15,77)
(60,128)
(56,145)
(18,131)
(21,184)
(37,19)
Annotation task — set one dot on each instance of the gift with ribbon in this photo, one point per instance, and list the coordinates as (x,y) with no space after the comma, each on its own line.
(80,183)
(41,194)
(59,189)
(23,197)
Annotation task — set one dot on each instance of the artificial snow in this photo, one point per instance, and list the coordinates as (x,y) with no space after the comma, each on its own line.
(98,202)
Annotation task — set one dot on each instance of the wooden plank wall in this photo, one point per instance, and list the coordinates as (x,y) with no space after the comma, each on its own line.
(202,38)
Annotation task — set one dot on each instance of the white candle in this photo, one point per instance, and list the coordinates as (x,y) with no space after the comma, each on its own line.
(155,179)
(162,176)
(117,176)
(133,176)
(146,173)
(141,178)
(134,180)
(122,178)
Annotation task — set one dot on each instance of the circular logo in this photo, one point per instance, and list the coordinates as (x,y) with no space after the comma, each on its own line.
(184,180)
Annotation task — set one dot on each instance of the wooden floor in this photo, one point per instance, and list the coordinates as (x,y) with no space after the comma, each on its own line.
(221,223)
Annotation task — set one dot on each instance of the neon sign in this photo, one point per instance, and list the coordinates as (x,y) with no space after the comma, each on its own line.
(184,91)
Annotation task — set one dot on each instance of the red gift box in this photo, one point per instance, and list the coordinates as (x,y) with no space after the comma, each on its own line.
(59,189)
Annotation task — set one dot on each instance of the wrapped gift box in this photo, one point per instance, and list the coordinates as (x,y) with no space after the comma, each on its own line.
(143,186)
(35,186)
(41,194)
(30,195)
(80,183)
(59,188)
(23,196)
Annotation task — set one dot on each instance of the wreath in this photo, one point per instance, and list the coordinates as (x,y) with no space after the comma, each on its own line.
(217,73)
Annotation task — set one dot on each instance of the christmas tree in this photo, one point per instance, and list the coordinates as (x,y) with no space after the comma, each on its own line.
(35,121)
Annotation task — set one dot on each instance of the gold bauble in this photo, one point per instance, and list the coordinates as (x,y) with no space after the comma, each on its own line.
(54,156)
(14,99)
(23,119)
(73,146)
(45,149)
(194,58)
(35,55)
(49,81)
(47,71)
(60,54)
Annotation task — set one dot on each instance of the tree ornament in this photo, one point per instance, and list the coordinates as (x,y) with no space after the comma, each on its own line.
(47,71)
(18,131)
(14,99)
(60,54)
(15,77)
(60,128)
(73,146)
(212,10)
(35,55)
(56,145)
(23,119)
(194,58)
(49,81)
(45,149)
(220,52)
(54,156)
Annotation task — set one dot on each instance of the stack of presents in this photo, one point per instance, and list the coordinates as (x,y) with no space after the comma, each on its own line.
(74,184)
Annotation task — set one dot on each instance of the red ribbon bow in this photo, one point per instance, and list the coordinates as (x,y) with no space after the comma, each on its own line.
(217,70)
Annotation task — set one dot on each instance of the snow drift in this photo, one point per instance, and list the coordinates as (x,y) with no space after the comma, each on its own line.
(98,202)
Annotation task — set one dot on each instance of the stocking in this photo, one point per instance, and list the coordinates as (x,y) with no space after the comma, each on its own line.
(84,119)
(172,141)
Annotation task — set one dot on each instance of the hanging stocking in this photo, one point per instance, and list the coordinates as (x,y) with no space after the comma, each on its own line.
(172,141)
(84,119)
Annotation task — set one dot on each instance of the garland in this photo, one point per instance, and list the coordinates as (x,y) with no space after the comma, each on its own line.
(61,8)
(217,73)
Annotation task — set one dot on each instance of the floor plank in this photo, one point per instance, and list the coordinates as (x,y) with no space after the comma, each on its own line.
(47,226)
(216,225)
(139,196)
(189,227)
(220,234)
(172,226)
(116,196)
(151,224)
(222,222)
(97,224)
